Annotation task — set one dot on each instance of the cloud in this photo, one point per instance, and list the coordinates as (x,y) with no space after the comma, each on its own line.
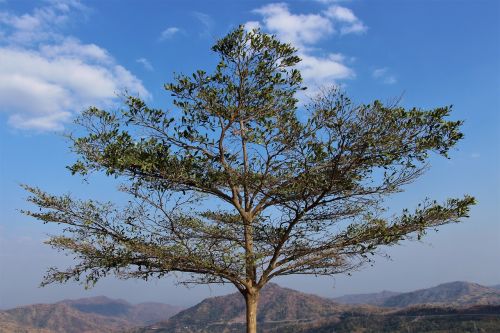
(331,1)
(251,25)
(304,31)
(317,70)
(73,48)
(383,75)
(145,62)
(341,14)
(42,24)
(46,77)
(379,72)
(40,91)
(206,21)
(348,22)
(169,33)
(298,29)
(354,28)
(475,155)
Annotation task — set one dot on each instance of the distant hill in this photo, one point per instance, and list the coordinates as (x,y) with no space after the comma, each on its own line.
(9,324)
(140,314)
(431,319)
(100,305)
(450,307)
(372,298)
(453,293)
(62,318)
(279,308)
(89,315)
(283,310)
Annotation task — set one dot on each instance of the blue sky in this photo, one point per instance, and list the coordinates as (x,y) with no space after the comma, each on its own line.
(58,57)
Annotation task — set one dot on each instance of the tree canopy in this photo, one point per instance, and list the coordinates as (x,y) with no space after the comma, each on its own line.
(241,184)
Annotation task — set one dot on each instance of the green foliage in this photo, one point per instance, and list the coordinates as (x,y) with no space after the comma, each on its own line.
(292,191)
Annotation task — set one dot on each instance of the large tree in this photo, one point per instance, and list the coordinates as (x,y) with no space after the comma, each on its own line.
(241,185)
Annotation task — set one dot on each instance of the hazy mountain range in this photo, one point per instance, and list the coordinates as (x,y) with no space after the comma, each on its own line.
(89,315)
(277,306)
(450,294)
(455,306)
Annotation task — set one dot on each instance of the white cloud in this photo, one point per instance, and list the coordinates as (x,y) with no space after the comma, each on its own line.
(348,22)
(317,70)
(298,29)
(383,75)
(331,1)
(42,92)
(475,155)
(42,24)
(304,31)
(341,14)
(72,48)
(33,103)
(145,62)
(204,19)
(390,80)
(355,28)
(251,25)
(379,72)
(67,5)
(169,33)
(46,77)
(207,22)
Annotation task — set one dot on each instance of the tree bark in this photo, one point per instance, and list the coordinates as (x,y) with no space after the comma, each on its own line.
(252,299)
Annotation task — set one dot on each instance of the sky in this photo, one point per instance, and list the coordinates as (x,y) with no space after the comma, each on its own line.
(58,57)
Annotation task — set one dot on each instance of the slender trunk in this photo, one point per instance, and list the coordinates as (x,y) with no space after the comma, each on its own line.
(252,299)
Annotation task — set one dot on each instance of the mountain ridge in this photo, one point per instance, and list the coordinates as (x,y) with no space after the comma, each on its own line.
(454,306)
(231,308)
(143,313)
(458,293)
(90,315)
(366,298)
(286,310)
(63,318)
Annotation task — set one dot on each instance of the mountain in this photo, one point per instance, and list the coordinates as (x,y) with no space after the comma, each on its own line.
(372,298)
(63,318)
(152,312)
(9,324)
(431,319)
(450,307)
(453,293)
(100,305)
(140,314)
(89,315)
(279,308)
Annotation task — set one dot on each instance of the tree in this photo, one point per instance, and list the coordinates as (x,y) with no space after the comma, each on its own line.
(240,187)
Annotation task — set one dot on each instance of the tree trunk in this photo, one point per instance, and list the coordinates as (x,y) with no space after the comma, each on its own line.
(252,299)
